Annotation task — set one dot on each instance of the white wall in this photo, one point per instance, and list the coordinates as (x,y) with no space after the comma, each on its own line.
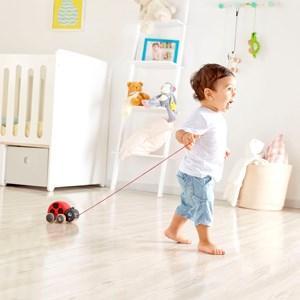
(26,28)
(268,88)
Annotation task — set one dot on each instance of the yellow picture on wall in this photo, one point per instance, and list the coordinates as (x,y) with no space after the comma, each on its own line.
(67,14)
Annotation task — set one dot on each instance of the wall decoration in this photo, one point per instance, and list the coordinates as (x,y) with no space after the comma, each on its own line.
(160,50)
(233,59)
(67,14)
(238,4)
(254,44)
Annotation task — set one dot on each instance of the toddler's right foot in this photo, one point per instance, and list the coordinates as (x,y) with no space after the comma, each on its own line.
(210,248)
(175,237)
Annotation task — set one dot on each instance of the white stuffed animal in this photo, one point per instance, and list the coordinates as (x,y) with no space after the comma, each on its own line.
(155,10)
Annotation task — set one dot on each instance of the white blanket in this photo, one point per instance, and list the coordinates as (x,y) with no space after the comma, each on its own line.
(148,139)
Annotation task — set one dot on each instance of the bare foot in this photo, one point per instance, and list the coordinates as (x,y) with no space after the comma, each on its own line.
(175,237)
(210,248)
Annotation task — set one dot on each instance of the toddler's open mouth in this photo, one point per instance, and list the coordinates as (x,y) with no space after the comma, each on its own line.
(228,105)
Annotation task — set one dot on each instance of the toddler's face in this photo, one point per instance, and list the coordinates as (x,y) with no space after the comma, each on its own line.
(223,95)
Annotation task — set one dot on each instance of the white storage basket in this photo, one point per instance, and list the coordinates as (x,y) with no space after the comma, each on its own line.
(265,186)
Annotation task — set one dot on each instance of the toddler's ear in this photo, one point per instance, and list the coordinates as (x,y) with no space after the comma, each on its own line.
(207,93)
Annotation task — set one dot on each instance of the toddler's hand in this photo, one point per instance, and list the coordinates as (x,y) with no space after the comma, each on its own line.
(188,139)
(227,153)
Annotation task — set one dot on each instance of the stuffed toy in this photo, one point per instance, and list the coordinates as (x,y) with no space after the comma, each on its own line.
(135,94)
(155,10)
(165,99)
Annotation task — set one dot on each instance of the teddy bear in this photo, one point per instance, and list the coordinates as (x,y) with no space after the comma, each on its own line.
(155,10)
(135,93)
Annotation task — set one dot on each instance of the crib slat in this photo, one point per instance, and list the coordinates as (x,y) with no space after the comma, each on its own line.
(48,99)
(1,96)
(11,101)
(23,102)
(35,102)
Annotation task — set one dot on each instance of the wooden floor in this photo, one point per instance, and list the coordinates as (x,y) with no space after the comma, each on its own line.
(118,251)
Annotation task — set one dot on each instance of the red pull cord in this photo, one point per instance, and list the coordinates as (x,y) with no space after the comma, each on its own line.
(133,180)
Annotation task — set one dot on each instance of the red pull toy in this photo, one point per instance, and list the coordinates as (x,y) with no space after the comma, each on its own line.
(61,211)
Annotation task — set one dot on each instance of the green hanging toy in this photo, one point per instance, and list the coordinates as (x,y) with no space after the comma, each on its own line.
(253,42)
(254,45)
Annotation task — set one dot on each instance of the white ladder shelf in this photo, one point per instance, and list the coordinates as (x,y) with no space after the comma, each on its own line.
(153,65)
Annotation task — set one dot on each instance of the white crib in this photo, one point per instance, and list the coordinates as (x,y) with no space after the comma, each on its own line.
(53,120)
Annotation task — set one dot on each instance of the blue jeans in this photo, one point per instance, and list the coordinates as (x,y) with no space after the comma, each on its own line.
(197,198)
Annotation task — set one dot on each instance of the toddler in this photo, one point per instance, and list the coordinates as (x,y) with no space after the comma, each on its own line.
(204,134)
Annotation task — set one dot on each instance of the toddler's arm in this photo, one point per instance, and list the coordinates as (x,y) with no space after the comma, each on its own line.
(186,138)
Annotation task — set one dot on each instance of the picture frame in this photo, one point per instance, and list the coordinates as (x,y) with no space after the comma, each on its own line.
(67,15)
(155,49)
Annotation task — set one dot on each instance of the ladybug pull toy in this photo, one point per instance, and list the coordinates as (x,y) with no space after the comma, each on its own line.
(61,211)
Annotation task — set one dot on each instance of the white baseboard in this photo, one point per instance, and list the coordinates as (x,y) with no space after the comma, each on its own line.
(292,203)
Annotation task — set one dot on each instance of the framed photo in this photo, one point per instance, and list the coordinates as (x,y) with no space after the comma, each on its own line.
(160,50)
(67,14)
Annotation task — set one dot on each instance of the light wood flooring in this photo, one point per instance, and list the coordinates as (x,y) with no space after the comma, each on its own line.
(118,251)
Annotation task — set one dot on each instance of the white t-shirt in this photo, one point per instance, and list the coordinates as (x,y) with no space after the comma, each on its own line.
(207,155)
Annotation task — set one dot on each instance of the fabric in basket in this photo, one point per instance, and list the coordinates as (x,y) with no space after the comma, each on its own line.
(275,152)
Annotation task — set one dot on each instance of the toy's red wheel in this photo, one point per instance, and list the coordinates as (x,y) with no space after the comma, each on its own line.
(50,218)
(60,218)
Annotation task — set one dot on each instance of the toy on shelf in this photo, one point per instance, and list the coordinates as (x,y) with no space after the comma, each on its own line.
(135,93)
(61,211)
(155,10)
(165,99)
(154,135)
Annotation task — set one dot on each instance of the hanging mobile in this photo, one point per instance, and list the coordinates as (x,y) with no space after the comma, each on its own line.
(233,59)
(254,44)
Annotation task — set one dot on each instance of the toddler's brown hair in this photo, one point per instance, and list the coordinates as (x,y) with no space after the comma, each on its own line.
(206,77)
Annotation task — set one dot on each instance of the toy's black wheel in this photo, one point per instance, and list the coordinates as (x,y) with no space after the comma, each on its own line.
(60,218)
(71,214)
(50,218)
(76,213)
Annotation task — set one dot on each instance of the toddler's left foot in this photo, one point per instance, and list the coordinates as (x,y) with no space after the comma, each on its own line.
(210,248)
(177,238)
